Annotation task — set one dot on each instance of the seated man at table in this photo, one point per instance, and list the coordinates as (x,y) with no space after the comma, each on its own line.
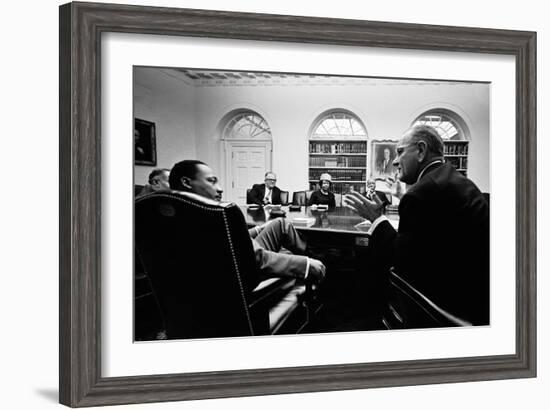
(372,192)
(266,193)
(157,181)
(267,240)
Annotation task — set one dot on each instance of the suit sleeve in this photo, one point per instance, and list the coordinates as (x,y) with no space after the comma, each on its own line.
(401,248)
(255,195)
(276,196)
(275,264)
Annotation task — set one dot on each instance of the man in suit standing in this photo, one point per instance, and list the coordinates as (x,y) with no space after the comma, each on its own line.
(442,245)
(266,193)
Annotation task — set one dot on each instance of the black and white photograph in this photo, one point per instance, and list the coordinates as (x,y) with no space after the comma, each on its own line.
(260,255)
(260,217)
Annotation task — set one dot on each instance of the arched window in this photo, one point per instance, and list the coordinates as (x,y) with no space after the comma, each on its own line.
(338,125)
(338,146)
(453,131)
(448,126)
(246,125)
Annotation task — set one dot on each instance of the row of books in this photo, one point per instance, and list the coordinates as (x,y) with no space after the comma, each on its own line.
(338,147)
(340,174)
(342,188)
(340,162)
(455,149)
(458,162)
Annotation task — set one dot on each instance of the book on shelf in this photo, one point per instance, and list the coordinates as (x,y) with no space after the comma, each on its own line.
(337,147)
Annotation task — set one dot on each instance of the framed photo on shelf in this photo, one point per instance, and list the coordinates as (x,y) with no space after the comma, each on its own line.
(100,44)
(145,148)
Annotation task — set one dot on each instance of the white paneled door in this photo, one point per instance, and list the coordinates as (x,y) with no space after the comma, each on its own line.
(247,162)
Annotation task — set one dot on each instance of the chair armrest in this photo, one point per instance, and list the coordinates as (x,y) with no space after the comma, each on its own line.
(271,289)
(283,300)
(410,308)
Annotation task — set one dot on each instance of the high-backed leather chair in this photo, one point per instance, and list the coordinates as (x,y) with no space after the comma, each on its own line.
(284,197)
(198,256)
(248,197)
(301,197)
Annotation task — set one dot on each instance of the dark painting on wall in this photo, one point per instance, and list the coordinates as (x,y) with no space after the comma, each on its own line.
(145,150)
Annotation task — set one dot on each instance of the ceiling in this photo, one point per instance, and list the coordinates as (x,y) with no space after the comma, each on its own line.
(203,77)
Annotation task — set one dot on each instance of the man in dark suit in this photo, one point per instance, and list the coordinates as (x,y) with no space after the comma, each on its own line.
(442,245)
(266,193)
(267,240)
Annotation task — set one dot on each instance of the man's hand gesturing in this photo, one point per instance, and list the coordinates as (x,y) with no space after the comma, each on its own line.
(364,207)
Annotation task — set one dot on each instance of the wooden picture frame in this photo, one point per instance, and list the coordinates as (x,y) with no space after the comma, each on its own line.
(145,142)
(81,27)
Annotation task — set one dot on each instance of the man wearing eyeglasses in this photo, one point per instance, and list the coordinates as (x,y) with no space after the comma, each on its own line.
(266,193)
(442,245)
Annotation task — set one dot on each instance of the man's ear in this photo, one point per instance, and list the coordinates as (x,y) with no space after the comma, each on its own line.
(422,150)
(186,182)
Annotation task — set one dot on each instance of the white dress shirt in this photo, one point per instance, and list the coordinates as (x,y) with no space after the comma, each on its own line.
(267,196)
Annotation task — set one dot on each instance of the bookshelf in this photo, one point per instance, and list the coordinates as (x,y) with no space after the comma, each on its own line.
(344,159)
(456,153)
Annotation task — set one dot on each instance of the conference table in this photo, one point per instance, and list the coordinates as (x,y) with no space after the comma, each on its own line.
(353,292)
(340,227)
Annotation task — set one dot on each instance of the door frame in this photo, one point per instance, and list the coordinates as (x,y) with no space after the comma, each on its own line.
(228,144)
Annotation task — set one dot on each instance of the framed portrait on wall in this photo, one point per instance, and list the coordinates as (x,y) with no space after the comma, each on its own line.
(145,148)
(383,154)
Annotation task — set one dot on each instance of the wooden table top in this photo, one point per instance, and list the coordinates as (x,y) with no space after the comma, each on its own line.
(341,219)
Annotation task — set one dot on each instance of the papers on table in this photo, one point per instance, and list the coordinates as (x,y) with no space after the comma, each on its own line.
(363,226)
(303,221)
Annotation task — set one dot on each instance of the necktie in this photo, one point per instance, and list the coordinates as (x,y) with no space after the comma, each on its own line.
(267,198)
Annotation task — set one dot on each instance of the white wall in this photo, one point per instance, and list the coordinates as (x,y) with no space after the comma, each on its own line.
(170,104)
(29,234)
(386,109)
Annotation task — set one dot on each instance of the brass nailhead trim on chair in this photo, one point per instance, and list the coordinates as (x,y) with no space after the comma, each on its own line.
(237,272)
